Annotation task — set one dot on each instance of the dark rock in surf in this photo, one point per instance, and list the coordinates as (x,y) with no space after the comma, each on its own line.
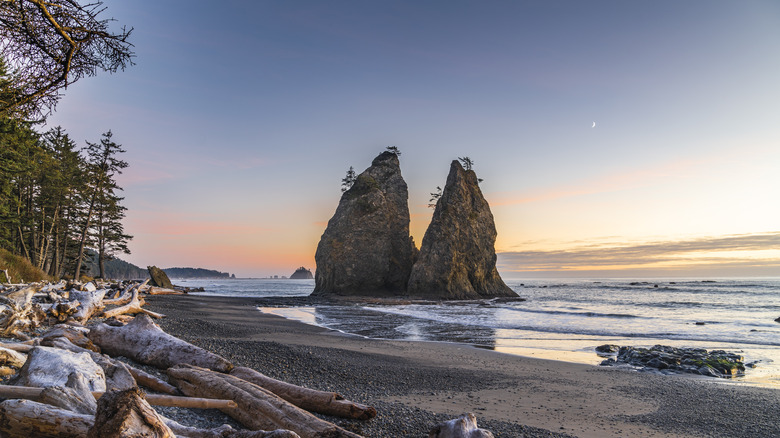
(366,249)
(457,258)
(777,320)
(715,363)
(159,278)
(301,274)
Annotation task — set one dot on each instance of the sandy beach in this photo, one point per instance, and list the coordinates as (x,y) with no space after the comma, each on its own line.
(414,385)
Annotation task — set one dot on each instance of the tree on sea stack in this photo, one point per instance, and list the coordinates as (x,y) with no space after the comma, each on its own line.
(349,180)
(457,259)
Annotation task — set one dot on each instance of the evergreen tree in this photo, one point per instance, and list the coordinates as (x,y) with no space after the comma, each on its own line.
(394,150)
(435,197)
(349,180)
(102,168)
(467,162)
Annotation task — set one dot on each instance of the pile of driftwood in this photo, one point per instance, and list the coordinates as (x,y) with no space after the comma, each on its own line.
(66,380)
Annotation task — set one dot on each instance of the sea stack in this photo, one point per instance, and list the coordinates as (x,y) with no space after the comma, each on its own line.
(301,274)
(457,259)
(366,249)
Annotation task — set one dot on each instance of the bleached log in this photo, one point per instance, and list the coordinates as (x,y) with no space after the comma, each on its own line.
(21,347)
(46,366)
(132,307)
(74,396)
(27,418)
(257,408)
(121,297)
(12,358)
(127,414)
(225,431)
(90,303)
(143,341)
(328,403)
(62,309)
(18,313)
(464,426)
(75,336)
(163,291)
(34,393)
(152,382)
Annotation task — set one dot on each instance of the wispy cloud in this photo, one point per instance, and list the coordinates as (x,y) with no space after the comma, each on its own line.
(730,250)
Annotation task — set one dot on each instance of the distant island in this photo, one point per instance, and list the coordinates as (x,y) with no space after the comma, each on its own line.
(302,274)
(196,273)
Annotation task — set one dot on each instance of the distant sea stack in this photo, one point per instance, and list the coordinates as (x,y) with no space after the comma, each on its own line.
(457,259)
(301,274)
(366,249)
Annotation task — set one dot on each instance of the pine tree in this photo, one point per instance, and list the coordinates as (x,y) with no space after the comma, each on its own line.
(435,197)
(349,180)
(103,166)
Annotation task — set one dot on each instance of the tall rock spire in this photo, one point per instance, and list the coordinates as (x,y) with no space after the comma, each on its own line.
(457,259)
(366,249)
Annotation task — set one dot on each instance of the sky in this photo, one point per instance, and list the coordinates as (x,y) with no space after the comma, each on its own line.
(240,118)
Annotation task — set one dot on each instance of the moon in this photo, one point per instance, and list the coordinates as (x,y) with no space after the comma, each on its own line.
(594,125)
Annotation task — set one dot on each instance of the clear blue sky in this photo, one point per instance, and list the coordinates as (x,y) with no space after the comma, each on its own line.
(241,117)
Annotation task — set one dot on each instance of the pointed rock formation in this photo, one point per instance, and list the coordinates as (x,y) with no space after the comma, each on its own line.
(457,259)
(366,249)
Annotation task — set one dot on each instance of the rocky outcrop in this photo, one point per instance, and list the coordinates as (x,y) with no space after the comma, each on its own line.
(301,274)
(159,278)
(715,363)
(366,249)
(457,258)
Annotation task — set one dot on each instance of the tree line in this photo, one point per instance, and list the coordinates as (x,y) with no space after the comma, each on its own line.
(59,203)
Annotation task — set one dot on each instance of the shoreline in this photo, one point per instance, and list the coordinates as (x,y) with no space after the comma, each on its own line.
(415,384)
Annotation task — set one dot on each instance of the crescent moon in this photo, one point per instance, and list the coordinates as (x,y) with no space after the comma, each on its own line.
(594,125)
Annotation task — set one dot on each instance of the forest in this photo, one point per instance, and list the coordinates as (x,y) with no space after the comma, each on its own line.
(60,204)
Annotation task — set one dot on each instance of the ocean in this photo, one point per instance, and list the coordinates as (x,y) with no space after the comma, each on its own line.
(562,319)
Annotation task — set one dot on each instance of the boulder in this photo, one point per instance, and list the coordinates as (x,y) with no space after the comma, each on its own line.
(457,259)
(366,249)
(714,363)
(159,278)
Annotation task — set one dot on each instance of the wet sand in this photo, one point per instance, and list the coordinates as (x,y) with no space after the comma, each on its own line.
(415,384)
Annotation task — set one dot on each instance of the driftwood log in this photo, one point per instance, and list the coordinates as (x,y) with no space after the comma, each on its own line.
(12,358)
(143,341)
(132,307)
(48,366)
(225,431)
(464,426)
(74,396)
(328,403)
(257,408)
(27,418)
(18,313)
(127,414)
(90,303)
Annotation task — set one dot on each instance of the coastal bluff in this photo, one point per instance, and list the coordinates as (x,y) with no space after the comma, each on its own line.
(457,259)
(366,249)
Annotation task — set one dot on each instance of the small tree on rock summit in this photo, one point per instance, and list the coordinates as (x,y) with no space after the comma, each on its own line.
(435,197)
(349,180)
(467,162)
(394,150)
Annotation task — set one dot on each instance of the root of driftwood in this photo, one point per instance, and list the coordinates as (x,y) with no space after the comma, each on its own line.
(328,403)
(464,426)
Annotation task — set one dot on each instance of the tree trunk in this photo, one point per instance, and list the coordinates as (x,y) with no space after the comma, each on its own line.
(143,341)
(127,414)
(257,407)
(328,403)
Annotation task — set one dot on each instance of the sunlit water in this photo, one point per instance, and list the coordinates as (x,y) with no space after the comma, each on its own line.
(563,319)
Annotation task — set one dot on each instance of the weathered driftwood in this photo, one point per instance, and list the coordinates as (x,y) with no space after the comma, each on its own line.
(74,396)
(90,303)
(127,414)
(75,336)
(121,296)
(27,418)
(18,313)
(132,307)
(163,291)
(257,408)
(46,366)
(21,347)
(464,426)
(116,380)
(33,393)
(11,358)
(225,431)
(328,403)
(64,309)
(143,341)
